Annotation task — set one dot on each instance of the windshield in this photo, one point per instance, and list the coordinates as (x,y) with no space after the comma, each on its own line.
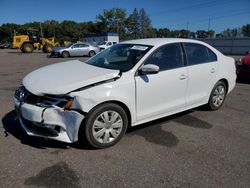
(120,56)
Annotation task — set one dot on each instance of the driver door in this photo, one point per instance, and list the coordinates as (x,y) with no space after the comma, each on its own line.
(164,92)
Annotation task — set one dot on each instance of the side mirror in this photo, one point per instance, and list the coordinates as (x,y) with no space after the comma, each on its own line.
(149,69)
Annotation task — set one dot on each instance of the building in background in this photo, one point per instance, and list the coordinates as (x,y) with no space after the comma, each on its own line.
(96,39)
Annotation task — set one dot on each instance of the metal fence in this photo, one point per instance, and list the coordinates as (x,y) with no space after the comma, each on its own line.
(230,46)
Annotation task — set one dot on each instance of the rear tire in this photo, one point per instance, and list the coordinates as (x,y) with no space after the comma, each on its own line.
(65,54)
(105,125)
(27,48)
(217,96)
(91,53)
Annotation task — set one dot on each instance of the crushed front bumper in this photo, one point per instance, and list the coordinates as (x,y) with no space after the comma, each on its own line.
(55,54)
(49,122)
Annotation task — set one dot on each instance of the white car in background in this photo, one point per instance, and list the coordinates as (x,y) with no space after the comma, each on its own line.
(125,85)
(105,44)
(75,49)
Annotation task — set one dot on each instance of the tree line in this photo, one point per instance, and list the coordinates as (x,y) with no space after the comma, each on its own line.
(129,26)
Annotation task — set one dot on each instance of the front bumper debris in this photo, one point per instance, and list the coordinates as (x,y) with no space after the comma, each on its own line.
(49,122)
(55,54)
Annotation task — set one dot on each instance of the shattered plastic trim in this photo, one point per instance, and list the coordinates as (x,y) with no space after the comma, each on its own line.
(68,120)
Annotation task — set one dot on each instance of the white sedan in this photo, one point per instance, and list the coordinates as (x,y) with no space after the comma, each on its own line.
(125,85)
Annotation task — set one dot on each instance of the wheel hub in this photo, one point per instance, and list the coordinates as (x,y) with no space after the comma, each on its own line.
(107,127)
(218,96)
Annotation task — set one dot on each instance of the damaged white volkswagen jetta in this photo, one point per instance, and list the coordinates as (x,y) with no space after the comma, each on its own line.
(125,85)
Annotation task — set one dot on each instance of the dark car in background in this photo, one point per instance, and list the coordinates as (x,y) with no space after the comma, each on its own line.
(5,45)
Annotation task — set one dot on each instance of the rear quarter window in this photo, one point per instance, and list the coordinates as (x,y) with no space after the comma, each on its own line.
(198,54)
(212,55)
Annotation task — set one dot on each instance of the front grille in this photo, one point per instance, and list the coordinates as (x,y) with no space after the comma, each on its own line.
(23,95)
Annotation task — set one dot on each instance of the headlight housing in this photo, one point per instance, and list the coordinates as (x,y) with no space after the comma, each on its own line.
(49,100)
(23,95)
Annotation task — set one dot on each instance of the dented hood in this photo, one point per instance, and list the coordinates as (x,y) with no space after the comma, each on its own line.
(62,78)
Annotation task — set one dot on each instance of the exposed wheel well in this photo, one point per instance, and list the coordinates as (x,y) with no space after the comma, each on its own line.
(124,106)
(113,101)
(26,43)
(225,82)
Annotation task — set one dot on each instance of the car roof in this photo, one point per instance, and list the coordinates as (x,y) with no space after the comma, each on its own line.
(81,43)
(160,41)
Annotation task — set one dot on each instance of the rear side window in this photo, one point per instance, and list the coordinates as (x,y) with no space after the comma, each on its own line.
(167,57)
(212,55)
(83,45)
(197,54)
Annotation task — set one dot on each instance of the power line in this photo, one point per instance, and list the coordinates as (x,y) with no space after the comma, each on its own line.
(190,7)
(209,19)
(209,16)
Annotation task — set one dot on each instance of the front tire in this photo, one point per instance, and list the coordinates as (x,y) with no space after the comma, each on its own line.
(65,54)
(217,96)
(105,125)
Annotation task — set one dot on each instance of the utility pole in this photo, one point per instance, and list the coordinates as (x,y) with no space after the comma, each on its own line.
(187,25)
(209,23)
(117,29)
(41,30)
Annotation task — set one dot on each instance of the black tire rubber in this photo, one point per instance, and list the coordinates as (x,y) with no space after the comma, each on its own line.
(91,53)
(93,114)
(210,105)
(47,48)
(65,54)
(27,48)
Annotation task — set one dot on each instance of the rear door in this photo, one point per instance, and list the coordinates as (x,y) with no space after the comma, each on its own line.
(83,49)
(202,70)
(165,91)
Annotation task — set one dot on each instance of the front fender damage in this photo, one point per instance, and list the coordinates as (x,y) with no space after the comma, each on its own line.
(68,120)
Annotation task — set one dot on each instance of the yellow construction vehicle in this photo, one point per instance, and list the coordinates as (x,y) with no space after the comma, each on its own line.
(27,43)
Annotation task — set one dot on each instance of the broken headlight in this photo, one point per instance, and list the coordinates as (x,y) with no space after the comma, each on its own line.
(62,102)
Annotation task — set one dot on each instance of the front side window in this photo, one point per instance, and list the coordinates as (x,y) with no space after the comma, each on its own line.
(83,46)
(80,45)
(197,54)
(76,46)
(121,57)
(167,57)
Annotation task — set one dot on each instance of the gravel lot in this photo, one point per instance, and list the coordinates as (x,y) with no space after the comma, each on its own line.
(196,148)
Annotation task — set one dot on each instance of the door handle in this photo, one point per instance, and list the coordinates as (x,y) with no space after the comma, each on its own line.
(212,70)
(183,77)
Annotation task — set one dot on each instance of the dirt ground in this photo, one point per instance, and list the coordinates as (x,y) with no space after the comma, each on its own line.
(196,148)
